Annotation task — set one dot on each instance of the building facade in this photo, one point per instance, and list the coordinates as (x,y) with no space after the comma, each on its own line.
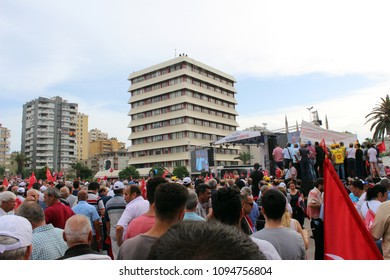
(177,106)
(49,133)
(5,135)
(82,137)
(97,134)
(98,147)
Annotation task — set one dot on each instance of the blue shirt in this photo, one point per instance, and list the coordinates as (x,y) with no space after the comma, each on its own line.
(192,216)
(86,209)
(48,243)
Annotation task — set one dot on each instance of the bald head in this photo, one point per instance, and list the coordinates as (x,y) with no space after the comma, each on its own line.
(82,195)
(77,230)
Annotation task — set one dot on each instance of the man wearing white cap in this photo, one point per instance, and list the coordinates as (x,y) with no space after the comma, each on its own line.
(7,203)
(15,238)
(114,209)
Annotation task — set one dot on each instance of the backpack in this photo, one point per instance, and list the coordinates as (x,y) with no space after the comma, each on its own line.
(369,219)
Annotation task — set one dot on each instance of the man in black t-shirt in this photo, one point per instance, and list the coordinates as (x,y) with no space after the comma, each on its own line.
(256,176)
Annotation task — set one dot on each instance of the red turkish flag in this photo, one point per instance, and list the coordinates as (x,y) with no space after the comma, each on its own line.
(32,180)
(143,188)
(345,234)
(165,173)
(5,182)
(382,147)
(323,146)
(49,177)
(111,170)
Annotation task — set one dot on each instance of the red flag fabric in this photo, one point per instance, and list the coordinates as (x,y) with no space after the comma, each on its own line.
(60,174)
(165,173)
(207,178)
(143,188)
(345,234)
(211,175)
(382,147)
(32,180)
(111,170)
(323,146)
(48,175)
(5,182)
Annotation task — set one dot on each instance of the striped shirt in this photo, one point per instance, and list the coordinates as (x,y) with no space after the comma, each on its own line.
(114,209)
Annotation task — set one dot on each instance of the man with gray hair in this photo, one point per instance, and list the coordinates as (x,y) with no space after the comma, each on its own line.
(386,183)
(15,238)
(7,203)
(78,235)
(190,211)
(47,240)
(56,213)
(254,214)
(247,207)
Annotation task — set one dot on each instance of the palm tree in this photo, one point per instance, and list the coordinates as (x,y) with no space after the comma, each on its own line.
(380,116)
(20,159)
(244,157)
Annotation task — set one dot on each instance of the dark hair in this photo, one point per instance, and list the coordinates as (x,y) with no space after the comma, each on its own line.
(76,184)
(59,186)
(372,192)
(93,186)
(169,200)
(319,181)
(36,186)
(134,188)
(274,204)
(201,188)
(196,240)
(198,182)
(227,206)
(358,184)
(32,211)
(256,166)
(151,186)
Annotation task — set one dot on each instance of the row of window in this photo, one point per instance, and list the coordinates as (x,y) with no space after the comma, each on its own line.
(179,66)
(183,92)
(183,106)
(182,79)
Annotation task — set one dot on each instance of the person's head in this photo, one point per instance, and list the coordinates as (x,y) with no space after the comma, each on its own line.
(76,185)
(51,196)
(192,201)
(386,183)
(82,195)
(187,182)
(264,189)
(7,201)
(32,195)
(77,230)
(213,184)
(169,202)
(15,238)
(203,241)
(240,184)
(103,191)
(256,166)
(151,186)
(64,192)
(59,186)
(33,212)
(292,184)
(118,188)
(204,192)
(132,191)
(273,205)
(357,188)
(319,184)
(351,145)
(377,192)
(227,206)
(93,187)
(36,186)
(247,199)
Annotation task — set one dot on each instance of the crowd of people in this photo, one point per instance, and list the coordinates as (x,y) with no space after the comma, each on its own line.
(246,217)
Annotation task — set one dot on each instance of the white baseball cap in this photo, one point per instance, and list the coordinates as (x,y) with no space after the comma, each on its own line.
(17,227)
(187,181)
(118,185)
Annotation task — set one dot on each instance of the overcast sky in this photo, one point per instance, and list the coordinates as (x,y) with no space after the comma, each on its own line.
(285,55)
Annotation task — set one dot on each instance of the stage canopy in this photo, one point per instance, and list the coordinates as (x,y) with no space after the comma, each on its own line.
(242,137)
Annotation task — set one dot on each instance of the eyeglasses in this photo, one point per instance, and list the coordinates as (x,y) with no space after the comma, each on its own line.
(249,203)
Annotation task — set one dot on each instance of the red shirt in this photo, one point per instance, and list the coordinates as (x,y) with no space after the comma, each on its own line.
(57,214)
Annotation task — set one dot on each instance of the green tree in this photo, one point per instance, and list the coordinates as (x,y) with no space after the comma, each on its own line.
(81,170)
(129,172)
(380,116)
(160,170)
(2,171)
(20,159)
(40,174)
(244,157)
(180,172)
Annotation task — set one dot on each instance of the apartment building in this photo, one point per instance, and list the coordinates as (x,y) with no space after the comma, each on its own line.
(82,137)
(49,133)
(178,106)
(5,135)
